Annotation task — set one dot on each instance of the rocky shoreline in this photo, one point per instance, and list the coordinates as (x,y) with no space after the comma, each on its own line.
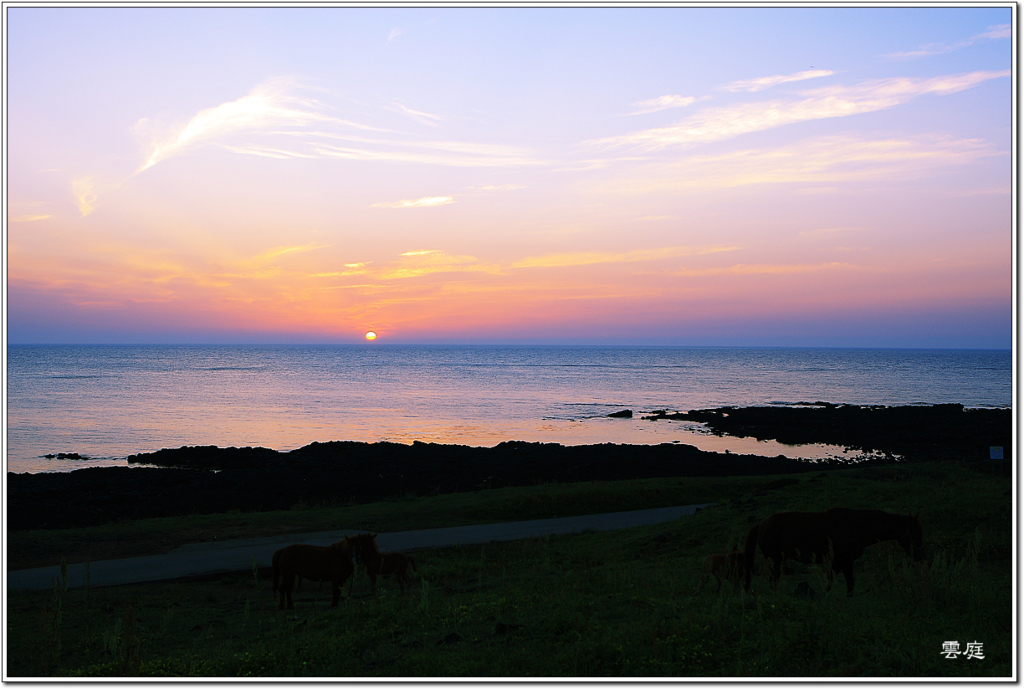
(911,433)
(204,480)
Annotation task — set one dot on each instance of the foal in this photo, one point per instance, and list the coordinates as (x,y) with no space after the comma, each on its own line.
(378,563)
(730,567)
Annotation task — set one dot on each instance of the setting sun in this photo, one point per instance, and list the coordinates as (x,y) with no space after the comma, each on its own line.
(371,335)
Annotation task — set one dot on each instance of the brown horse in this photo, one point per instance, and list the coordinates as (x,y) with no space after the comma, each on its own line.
(382,564)
(838,535)
(314,562)
(730,567)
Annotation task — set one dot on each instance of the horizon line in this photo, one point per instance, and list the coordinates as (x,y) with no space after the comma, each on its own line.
(498,344)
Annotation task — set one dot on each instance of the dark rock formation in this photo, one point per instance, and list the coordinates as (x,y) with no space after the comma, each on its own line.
(204,480)
(944,431)
(257,479)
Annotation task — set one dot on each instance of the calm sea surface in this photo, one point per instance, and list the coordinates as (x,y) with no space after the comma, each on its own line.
(108,402)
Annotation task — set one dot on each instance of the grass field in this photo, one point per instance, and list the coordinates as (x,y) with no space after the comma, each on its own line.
(613,604)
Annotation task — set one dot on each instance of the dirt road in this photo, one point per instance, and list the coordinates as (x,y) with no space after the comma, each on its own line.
(240,555)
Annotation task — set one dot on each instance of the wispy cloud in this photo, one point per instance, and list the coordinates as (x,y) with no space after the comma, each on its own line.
(425,202)
(84,191)
(261,266)
(29,218)
(819,160)
(586,164)
(421,263)
(395,33)
(725,122)
(402,152)
(662,103)
(273,122)
(267,151)
(997,31)
(419,116)
(350,269)
(994,32)
(425,262)
(268,105)
(271,254)
(761,83)
(583,258)
(417,263)
(764,269)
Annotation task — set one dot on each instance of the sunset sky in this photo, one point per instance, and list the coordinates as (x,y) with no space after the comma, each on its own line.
(667,176)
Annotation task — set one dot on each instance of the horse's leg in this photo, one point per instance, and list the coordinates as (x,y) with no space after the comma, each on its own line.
(749,551)
(349,573)
(848,573)
(776,572)
(287,580)
(335,591)
(276,565)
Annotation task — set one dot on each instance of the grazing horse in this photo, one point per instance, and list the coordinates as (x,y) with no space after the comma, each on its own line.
(382,564)
(839,535)
(730,567)
(314,562)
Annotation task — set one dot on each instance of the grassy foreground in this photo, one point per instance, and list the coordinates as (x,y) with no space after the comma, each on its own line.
(614,604)
(40,548)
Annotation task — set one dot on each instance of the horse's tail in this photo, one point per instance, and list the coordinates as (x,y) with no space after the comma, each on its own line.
(413,563)
(748,554)
(276,562)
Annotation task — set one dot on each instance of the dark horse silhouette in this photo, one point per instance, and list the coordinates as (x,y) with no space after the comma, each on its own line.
(838,534)
(378,563)
(314,562)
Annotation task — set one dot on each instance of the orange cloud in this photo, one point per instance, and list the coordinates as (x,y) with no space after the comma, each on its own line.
(591,257)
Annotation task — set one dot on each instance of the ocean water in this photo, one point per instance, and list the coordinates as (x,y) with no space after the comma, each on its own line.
(108,402)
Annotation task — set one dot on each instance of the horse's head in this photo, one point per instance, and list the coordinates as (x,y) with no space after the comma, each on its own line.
(362,543)
(913,538)
(355,545)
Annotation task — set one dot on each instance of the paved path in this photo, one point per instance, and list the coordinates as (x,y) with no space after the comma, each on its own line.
(235,556)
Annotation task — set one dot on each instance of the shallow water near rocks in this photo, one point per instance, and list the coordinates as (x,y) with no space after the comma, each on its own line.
(109,402)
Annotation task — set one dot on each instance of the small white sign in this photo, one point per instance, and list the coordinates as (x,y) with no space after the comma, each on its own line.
(995,452)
